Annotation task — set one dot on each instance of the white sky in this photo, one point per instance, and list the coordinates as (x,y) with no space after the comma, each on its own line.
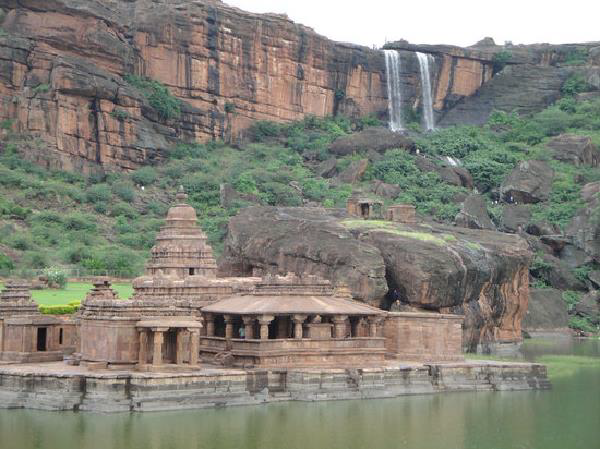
(458,22)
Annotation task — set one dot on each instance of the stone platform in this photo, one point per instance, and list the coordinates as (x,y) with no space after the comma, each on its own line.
(57,386)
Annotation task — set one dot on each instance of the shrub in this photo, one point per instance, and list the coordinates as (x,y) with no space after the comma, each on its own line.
(500,60)
(66,309)
(77,221)
(34,259)
(577,56)
(574,85)
(56,276)
(229,107)
(166,105)
(263,129)
(123,190)
(145,176)
(6,262)
(41,88)
(582,324)
(571,298)
(98,193)
(119,114)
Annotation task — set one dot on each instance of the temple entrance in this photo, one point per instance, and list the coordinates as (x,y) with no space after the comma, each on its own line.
(364,210)
(170,347)
(42,333)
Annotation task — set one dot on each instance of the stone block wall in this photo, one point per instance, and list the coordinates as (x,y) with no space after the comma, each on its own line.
(425,337)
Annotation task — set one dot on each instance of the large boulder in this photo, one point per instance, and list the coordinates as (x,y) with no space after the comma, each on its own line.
(529,182)
(515,217)
(575,149)
(384,189)
(547,312)
(481,274)
(589,307)
(448,172)
(376,138)
(474,214)
(263,240)
(557,273)
(354,172)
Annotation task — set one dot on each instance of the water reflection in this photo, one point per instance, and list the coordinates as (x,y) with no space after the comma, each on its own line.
(566,417)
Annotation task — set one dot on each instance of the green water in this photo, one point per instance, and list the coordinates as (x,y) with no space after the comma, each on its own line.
(567,417)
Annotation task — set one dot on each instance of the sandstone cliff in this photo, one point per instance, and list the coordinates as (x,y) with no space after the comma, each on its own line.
(62,62)
(481,274)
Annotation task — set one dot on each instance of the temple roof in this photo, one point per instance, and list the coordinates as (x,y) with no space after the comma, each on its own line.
(291,294)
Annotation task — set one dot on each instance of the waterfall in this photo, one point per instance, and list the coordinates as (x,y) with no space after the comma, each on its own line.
(426,88)
(392,72)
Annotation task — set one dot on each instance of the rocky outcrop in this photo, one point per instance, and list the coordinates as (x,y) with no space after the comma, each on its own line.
(474,214)
(547,312)
(376,139)
(529,182)
(589,307)
(482,274)
(578,150)
(584,229)
(515,217)
(452,174)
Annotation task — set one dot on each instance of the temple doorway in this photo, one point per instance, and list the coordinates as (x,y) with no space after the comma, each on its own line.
(170,346)
(42,333)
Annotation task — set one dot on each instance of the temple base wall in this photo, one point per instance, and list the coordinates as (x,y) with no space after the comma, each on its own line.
(423,336)
(54,387)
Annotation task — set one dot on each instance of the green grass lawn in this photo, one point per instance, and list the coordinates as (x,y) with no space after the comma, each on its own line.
(74,291)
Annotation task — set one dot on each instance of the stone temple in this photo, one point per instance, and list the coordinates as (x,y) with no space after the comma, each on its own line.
(189,338)
(182,313)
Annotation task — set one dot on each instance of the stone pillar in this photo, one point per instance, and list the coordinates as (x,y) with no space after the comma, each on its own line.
(179,346)
(143,355)
(210,325)
(339,326)
(264,321)
(159,337)
(194,342)
(248,327)
(373,325)
(202,330)
(228,326)
(298,321)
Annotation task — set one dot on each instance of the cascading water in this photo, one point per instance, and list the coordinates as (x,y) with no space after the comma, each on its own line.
(426,88)
(392,72)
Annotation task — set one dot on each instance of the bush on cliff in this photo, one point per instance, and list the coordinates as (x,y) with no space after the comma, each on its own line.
(167,106)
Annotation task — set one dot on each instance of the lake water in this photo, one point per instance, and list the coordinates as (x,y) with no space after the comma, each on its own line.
(566,417)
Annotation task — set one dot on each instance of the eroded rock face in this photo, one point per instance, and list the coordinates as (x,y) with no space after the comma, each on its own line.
(474,214)
(62,62)
(529,182)
(483,274)
(584,229)
(547,312)
(376,139)
(578,150)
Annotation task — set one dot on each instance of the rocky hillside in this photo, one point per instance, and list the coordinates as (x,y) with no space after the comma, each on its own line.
(64,67)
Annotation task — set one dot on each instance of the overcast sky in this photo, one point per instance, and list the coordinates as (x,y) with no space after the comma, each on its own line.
(458,22)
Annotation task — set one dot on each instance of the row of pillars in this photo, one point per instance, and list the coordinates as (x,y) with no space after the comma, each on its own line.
(158,341)
(339,326)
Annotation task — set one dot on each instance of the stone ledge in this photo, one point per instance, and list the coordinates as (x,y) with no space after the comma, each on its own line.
(56,386)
